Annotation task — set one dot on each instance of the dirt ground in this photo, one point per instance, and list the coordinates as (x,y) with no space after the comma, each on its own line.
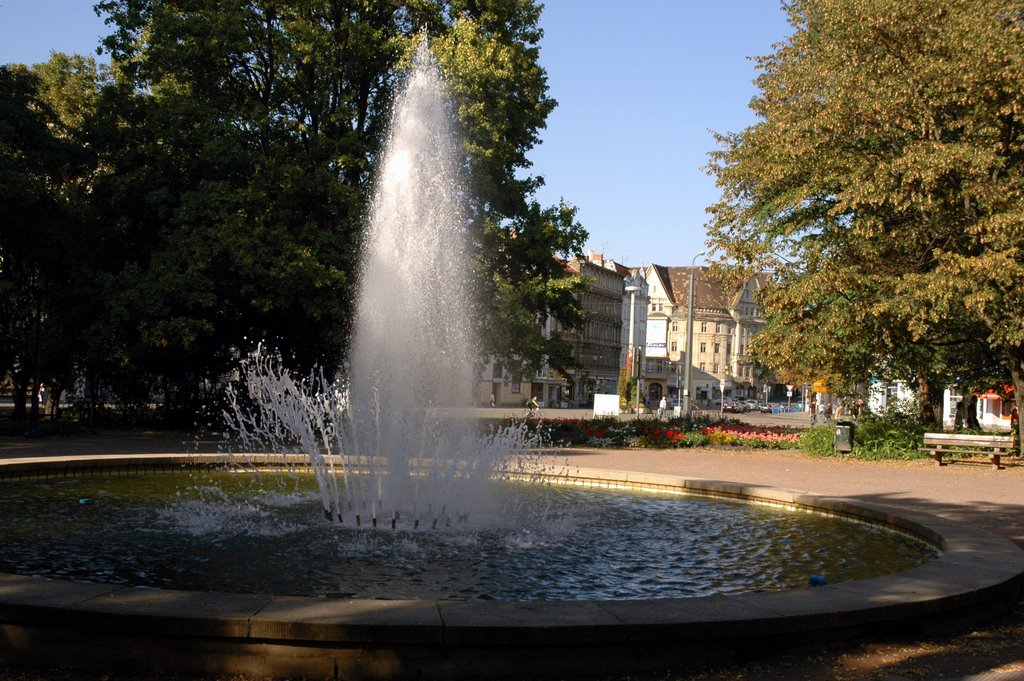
(968,492)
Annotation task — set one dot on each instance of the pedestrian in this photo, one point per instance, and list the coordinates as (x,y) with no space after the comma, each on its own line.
(492,399)
(839,410)
(828,412)
(813,407)
(662,406)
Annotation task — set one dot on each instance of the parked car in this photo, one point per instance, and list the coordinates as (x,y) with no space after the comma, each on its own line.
(766,408)
(735,407)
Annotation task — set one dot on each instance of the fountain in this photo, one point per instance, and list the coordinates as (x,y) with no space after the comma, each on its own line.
(392,438)
(383,445)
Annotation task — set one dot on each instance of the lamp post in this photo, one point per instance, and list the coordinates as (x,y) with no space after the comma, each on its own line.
(722,401)
(689,339)
(631,358)
(679,386)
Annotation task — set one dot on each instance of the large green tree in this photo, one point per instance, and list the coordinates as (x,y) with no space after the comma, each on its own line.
(883,185)
(237,153)
(38,166)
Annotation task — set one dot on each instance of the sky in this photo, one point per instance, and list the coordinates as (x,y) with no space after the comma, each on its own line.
(640,85)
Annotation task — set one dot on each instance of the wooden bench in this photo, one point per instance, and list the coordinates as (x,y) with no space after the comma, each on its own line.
(993,446)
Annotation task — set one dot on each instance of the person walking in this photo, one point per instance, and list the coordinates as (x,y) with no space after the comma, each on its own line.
(813,408)
(662,406)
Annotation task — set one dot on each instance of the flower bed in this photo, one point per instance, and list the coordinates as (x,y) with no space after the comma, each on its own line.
(747,435)
(671,434)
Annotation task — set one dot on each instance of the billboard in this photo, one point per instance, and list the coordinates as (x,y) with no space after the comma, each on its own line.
(657,337)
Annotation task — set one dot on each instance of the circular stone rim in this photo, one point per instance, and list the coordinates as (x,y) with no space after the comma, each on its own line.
(978,575)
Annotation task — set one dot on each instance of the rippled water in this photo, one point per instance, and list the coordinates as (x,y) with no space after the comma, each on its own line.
(239,533)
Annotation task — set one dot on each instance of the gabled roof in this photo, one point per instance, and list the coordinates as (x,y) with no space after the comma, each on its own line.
(708,293)
(662,273)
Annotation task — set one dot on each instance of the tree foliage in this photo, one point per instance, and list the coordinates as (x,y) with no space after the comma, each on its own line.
(883,185)
(223,174)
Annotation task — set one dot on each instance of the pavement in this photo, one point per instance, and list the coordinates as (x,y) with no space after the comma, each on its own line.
(967,492)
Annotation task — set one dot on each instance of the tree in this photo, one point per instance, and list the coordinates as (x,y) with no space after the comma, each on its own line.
(883,184)
(238,160)
(37,164)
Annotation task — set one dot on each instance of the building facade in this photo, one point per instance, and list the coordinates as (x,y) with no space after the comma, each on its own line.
(643,330)
(597,347)
(724,325)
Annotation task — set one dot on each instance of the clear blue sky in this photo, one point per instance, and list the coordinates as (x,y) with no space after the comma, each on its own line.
(640,85)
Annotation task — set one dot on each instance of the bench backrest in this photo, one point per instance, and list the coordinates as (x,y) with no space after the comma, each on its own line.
(966,440)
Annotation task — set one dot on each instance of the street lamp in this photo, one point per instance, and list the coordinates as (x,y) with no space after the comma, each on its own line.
(632,360)
(679,386)
(689,339)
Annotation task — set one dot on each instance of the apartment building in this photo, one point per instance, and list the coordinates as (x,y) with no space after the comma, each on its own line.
(597,347)
(600,347)
(724,324)
(636,319)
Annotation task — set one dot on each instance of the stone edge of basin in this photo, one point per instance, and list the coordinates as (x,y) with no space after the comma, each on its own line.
(977,576)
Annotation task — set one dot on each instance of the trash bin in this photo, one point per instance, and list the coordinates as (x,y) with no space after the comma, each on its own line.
(844,436)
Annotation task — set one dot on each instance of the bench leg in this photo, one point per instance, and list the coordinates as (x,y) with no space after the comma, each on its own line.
(995,461)
(937,455)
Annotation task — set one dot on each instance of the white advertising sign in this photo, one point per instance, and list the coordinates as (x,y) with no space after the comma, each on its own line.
(657,338)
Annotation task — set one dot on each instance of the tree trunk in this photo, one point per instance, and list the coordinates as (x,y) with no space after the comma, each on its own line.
(925,400)
(972,413)
(1016,363)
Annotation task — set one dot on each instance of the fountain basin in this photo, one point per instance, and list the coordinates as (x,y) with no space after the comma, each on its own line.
(978,575)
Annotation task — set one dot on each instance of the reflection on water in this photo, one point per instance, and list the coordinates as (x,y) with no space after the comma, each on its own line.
(251,534)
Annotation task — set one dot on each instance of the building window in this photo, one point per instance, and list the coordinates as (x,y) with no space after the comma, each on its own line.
(703,347)
(718,347)
(728,348)
(675,346)
(515,387)
(718,327)
(703,327)
(703,366)
(675,326)
(714,368)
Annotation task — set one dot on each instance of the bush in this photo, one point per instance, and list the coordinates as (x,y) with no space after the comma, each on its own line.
(819,441)
(888,436)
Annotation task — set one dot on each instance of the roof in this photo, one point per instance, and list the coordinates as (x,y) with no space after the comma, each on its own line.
(708,292)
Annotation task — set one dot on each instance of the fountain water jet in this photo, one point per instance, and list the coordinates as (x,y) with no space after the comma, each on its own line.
(403,454)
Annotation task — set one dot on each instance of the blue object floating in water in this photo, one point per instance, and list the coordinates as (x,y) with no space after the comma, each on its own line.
(84,500)
(817,580)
